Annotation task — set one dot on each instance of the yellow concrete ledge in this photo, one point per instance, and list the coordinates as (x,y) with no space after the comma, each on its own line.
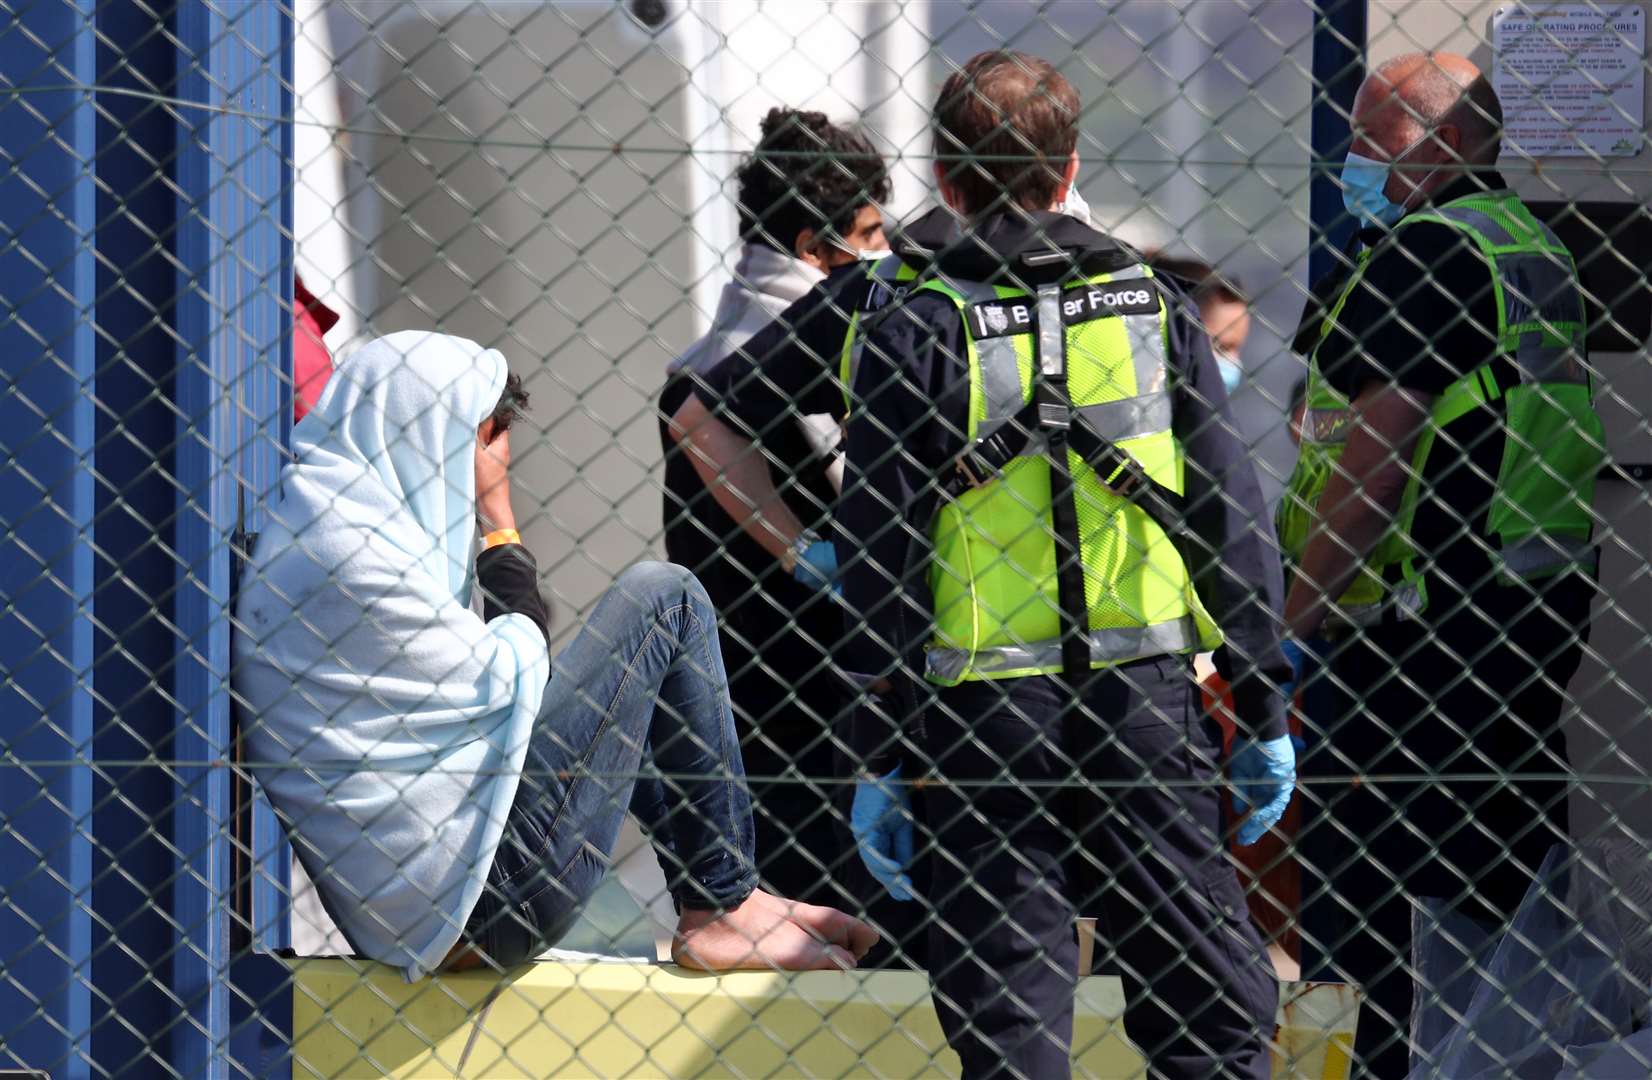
(354,1020)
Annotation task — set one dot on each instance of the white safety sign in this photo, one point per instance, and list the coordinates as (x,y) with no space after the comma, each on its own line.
(1571,78)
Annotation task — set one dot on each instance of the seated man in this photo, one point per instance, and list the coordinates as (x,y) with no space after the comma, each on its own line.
(453,799)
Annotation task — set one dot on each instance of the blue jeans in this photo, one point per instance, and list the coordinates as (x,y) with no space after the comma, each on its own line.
(636,716)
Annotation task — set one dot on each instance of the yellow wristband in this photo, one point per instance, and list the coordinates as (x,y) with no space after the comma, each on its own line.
(501,536)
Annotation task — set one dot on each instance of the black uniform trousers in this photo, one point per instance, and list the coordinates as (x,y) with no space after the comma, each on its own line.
(1478,690)
(1046,807)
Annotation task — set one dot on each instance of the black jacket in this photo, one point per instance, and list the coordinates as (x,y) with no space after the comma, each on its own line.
(911,420)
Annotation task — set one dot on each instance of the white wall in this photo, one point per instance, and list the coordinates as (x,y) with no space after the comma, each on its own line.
(322,244)
(553,180)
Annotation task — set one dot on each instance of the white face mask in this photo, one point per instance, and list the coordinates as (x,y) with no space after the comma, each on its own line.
(862,254)
(1073,205)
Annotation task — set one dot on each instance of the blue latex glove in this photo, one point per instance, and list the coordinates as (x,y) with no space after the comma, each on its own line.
(881,820)
(817,567)
(1264,775)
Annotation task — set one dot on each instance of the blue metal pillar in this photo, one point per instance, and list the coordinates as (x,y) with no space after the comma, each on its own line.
(233,320)
(145,300)
(266,420)
(47,278)
(135,636)
(1338,69)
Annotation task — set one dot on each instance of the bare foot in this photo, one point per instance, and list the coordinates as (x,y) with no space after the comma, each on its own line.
(837,927)
(756,936)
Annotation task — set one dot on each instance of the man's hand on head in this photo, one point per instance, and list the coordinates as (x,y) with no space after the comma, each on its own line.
(493,493)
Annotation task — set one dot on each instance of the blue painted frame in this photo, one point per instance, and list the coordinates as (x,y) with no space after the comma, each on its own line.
(136,641)
(138,418)
(1338,69)
(234,336)
(47,275)
(267,436)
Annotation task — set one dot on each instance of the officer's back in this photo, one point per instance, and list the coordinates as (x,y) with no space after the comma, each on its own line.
(1054,514)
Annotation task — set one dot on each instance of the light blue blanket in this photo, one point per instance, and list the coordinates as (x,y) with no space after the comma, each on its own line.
(388,722)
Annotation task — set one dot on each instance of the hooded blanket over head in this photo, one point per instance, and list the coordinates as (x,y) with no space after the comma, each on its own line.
(387,722)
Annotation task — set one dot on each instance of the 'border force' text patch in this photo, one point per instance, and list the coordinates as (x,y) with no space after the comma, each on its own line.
(1016,314)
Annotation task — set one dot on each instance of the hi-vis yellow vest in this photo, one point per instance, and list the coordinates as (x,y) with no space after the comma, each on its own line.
(993,574)
(1539,523)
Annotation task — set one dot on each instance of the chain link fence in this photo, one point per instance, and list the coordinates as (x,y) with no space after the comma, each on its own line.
(346,677)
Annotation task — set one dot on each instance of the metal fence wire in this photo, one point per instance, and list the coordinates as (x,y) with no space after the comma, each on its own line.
(897,538)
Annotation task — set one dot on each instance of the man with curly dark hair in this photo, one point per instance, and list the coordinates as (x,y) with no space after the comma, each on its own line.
(513,402)
(810,198)
(811,190)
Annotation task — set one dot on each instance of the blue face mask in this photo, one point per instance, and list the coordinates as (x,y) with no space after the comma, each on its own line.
(1363,179)
(1232,374)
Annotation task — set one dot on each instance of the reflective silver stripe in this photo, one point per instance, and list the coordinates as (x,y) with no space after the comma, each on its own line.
(1405,599)
(1129,418)
(1326,425)
(1146,344)
(1540,362)
(1052,332)
(1000,382)
(1539,287)
(1549,237)
(1540,555)
(1480,222)
(1111,646)
(1000,372)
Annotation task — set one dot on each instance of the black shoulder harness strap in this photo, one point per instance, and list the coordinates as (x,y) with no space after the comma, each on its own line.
(1120,473)
(1051,415)
(1055,416)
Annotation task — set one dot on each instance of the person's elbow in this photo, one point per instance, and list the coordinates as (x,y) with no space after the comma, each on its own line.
(691,417)
(1386,486)
(714,442)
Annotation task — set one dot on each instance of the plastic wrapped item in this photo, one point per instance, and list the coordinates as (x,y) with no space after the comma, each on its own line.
(1561,994)
(1450,952)
(1630,1059)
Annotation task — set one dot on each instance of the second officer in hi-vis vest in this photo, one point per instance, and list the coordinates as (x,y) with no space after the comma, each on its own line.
(1055,513)
(1440,518)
